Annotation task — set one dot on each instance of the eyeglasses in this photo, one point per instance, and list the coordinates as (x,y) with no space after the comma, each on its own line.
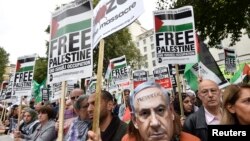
(213,91)
(74,97)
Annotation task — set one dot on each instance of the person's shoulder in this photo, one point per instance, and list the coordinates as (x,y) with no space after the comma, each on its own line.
(126,137)
(184,136)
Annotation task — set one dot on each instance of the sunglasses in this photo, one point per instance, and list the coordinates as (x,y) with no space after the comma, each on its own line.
(74,97)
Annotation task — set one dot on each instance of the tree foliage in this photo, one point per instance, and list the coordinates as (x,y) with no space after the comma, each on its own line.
(40,72)
(4,60)
(116,45)
(217,19)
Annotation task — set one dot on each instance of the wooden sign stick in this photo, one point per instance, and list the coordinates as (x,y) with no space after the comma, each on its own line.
(98,88)
(19,112)
(61,112)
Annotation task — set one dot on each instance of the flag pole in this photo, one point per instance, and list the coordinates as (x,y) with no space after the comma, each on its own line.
(179,89)
(98,88)
(5,110)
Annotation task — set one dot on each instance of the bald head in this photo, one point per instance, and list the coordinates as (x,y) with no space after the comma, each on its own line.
(75,93)
(209,93)
(207,82)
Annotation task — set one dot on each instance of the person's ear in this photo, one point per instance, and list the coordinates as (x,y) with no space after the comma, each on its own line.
(231,108)
(110,105)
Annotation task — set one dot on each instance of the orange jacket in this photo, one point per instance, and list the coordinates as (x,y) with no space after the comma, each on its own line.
(184,136)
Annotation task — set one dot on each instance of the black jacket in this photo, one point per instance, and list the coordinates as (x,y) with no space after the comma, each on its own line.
(196,124)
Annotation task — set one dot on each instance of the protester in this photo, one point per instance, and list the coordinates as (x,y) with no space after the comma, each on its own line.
(187,104)
(28,125)
(236,105)
(153,116)
(46,129)
(194,99)
(208,114)
(11,122)
(75,93)
(111,127)
(79,126)
(132,133)
(70,114)
(124,112)
(38,106)
(116,107)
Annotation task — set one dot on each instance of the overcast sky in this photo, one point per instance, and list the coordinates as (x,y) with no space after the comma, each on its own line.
(23,22)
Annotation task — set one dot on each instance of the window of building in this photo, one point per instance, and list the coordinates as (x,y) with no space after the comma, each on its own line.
(154,63)
(152,46)
(145,57)
(144,41)
(151,38)
(145,49)
(146,65)
(153,54)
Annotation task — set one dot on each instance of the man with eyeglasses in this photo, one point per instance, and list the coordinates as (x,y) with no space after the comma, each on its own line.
(70,114)
(75,94)
(79,126)
(208,114)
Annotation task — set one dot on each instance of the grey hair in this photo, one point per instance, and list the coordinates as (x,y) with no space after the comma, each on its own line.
(80,99)
(147,84)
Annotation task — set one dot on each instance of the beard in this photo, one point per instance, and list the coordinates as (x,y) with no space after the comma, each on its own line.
(103,115)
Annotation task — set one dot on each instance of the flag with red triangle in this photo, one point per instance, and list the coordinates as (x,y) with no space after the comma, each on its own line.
(207,68)
(175,36)
(71,18)
(241,75)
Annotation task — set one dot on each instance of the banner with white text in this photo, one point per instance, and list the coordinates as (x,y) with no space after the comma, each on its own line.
(113,15)
(70,52)
(175,36)
(24,75)
(230,60)
(139,76)
(162,77)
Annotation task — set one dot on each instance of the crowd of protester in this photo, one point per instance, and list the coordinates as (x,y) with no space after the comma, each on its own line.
(147,113)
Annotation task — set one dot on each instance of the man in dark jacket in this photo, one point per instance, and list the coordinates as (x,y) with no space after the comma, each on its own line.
(208,114)
(111,127)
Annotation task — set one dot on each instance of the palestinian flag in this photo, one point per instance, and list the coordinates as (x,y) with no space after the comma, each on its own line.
(92,85)
(115,63)
(25,63)
(207,68)
(230,60)
(241,75)
(119,62)
(109,69)
(174,22)
(71,17)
